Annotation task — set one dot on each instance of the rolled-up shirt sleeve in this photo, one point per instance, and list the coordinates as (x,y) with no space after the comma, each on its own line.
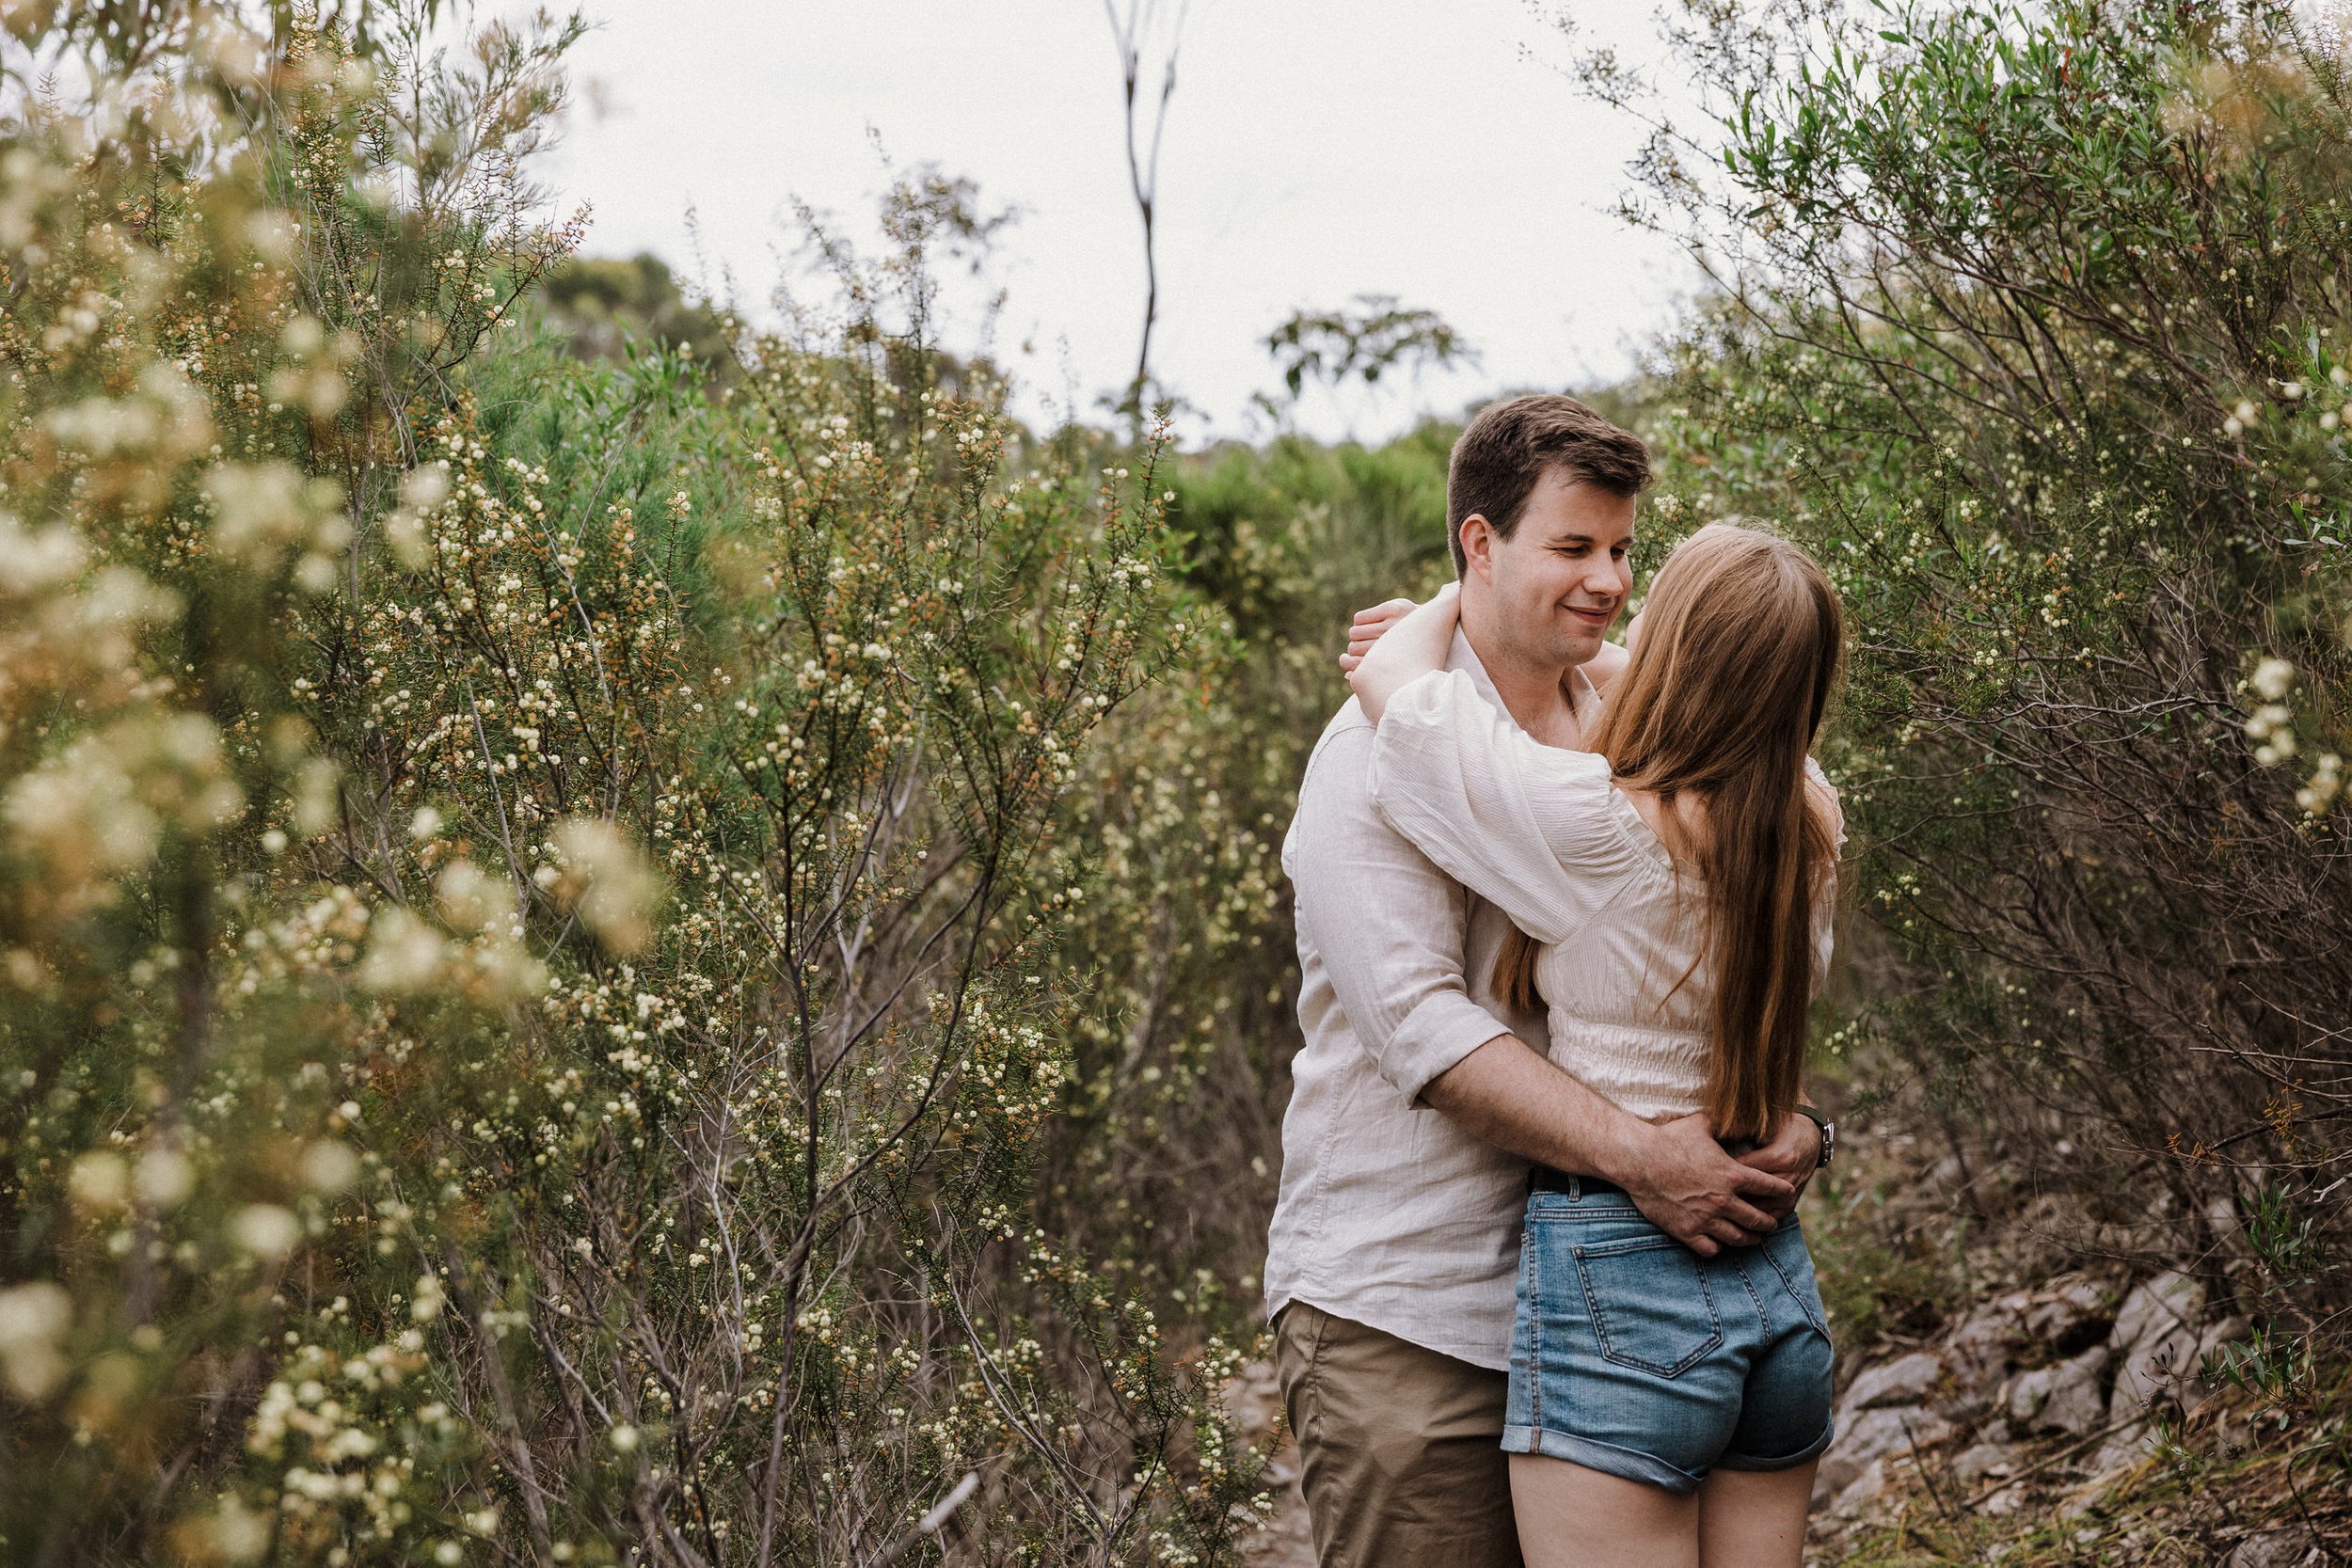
(1389,925)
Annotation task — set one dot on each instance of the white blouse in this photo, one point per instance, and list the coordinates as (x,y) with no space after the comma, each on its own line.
(1545,835)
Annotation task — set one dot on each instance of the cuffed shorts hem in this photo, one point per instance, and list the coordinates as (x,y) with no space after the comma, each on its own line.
(1606,1458)
(1787,1462)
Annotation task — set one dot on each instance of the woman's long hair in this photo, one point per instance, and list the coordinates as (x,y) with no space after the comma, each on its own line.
(1741,641)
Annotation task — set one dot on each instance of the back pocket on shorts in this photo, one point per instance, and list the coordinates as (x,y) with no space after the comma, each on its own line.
(1651,1308)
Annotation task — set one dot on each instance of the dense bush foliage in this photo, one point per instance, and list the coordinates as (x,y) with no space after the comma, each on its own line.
(553,910)
(2033,323)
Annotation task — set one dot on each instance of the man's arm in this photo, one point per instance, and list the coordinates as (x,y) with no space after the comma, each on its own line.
(1676,1174)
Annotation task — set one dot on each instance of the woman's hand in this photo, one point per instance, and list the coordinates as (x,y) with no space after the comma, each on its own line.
(1401,653)
(1366,628)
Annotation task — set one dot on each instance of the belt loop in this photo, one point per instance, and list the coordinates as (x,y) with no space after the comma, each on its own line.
(1575,1188)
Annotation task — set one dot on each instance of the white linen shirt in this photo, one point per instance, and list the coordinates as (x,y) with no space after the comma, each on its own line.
(1389,1215)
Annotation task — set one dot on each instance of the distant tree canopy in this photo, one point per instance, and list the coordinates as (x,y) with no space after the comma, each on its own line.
(603,303)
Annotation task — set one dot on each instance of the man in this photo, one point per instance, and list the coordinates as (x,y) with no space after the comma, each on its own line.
(1417,1104)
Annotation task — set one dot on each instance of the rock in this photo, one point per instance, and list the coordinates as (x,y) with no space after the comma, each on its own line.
(1875,1434)
(1864,1490)
(2221,1218)
(2062,1310)
(2125,1448)
(1906,1380)
(2220,1332)
(2062,1398)
(2087,1496)
(2001,1504)
(2194,1386)
(2156,1336)
(1981,1347)
(1982,1462)
(2077,1402)
(2164,1361)
(2168,1301)
(1253,1398)
(2277,1549)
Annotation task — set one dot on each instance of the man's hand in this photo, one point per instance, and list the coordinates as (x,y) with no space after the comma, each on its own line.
(1368,626)
(1794,1154)
(1683,1182)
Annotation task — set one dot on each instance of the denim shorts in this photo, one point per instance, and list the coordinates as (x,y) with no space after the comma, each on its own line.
(1634,1356)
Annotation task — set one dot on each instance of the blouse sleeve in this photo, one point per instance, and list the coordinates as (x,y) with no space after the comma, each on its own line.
(1826,900)
(1529,828)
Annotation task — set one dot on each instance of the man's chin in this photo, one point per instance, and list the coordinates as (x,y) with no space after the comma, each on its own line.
(1580,644)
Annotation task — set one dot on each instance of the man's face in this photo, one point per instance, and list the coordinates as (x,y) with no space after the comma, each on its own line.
(1557,582)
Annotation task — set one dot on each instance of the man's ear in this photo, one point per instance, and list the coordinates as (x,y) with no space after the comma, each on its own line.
(1478,546)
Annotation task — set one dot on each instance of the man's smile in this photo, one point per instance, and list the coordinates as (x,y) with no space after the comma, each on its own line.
(1598,617)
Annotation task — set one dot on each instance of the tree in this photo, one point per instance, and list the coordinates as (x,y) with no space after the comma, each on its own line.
(1379,336)
(1148,34)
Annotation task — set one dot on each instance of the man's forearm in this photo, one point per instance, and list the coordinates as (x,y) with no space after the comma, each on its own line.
(1506,1094)
(1681,1180)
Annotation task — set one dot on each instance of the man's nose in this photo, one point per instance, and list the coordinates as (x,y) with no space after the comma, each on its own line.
(1602,581)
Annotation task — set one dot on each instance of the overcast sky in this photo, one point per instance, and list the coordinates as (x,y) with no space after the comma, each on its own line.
(1315,149)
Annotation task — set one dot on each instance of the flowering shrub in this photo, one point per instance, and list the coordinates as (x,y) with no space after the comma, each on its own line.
(2031,325)
(542,905)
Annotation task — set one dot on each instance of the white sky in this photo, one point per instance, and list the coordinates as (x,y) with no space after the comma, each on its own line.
(1316,150)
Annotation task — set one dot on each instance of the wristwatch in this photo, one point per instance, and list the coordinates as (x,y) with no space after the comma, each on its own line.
(1829,1133)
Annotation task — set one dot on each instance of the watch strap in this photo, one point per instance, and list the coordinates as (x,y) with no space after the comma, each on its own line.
(1828,1130)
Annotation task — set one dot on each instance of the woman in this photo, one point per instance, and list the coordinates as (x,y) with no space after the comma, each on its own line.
(1664,1409)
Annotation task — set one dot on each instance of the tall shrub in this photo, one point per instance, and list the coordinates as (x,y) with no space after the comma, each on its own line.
(534,898)
(2032,322)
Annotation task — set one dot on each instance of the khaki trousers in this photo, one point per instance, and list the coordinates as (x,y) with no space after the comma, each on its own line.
(1400,1448)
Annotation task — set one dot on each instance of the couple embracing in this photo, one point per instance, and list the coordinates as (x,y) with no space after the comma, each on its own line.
(1538,1288)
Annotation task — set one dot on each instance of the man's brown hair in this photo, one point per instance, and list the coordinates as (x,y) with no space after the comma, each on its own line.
(1510,444)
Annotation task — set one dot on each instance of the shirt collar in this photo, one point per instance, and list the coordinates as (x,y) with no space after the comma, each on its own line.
(1586,698)
(1465,658)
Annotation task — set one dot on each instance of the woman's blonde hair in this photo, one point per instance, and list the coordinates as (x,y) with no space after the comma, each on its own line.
(1742,637)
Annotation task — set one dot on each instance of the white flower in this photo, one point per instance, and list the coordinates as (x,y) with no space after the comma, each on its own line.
(329,1166)
(163,1177)
(2272,678)
(624,1438)
(100,1181)
(33,1318)
(265,1231)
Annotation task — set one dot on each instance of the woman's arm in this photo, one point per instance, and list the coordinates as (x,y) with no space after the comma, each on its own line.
(1525,826)
(1409,650)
